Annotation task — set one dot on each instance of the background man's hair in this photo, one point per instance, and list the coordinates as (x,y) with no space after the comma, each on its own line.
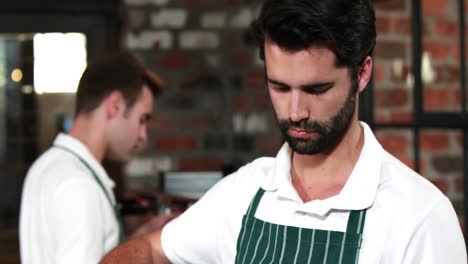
(119,71)
(347,27)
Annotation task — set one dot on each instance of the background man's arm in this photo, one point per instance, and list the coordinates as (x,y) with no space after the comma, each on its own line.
(145,250)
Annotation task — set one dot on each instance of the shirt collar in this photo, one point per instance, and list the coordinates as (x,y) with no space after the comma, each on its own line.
(359,191)
(69,142)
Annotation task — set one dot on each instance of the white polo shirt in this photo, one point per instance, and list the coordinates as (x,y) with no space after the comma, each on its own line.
(408,219)
(65,216)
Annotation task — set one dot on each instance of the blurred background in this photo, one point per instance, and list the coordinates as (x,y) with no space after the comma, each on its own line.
(216,114)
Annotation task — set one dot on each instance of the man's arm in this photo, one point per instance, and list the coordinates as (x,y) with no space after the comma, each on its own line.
(145,250)
(154,224)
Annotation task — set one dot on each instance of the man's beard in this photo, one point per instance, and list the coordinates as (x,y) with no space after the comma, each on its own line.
(328,132)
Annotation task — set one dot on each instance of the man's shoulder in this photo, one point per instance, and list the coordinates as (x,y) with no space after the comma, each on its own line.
(406,189)
(54,167)
(255,170)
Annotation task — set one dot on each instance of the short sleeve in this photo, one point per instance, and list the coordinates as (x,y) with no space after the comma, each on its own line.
(207,232)
(77,221)
(438,239)
(192,237)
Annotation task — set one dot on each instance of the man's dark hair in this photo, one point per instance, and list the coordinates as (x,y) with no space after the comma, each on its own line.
(347,27)
(119,71)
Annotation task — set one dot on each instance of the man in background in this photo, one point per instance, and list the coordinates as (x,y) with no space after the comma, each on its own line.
(68,210)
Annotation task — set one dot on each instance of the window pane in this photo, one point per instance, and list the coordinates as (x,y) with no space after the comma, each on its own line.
(442,163)
(392,64)
(399,142)
(440,70)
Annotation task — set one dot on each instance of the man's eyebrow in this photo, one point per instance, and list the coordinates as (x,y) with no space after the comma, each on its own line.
(276,82)
(317,85)
(310,86)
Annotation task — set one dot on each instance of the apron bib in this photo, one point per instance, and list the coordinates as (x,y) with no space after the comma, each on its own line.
(116,208)
(264,242)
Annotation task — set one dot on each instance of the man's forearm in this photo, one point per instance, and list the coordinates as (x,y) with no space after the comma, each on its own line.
(138,251)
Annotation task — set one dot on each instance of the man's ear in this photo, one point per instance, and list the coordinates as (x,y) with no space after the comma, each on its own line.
(114,104)
(364,74)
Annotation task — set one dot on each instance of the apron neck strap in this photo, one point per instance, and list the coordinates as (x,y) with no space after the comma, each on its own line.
(115,207)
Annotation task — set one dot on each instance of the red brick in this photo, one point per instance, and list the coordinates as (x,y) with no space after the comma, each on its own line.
(408,161)
(189,79)
(445,163)
(402,26)
(391,97)
(199,123)
(175,60)
(436,99)
(242,103)
(441,184)
(182,143)
(459,185)
(382,24)
(390,5)
(434,141)
(380,71)
(447,28)
(268,145)
(455,52)
(201,164)
(390,49)
(466,7)
(404,74)
(402,117)
(262,101)
(448,74)
(459,139)
(243,59)
(381,118)
(434,7)
(393,143)
(159,123)
(255,79)
(437,50)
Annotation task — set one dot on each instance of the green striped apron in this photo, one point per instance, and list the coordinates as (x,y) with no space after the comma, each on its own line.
(115,207)
(263,242)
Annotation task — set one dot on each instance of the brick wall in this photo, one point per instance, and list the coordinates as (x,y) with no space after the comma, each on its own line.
(217,111)
(441,159)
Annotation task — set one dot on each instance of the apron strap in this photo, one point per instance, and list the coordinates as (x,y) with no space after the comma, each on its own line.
(356,221)
(116,208)
(255,201)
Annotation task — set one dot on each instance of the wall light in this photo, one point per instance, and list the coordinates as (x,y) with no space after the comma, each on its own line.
(17,75)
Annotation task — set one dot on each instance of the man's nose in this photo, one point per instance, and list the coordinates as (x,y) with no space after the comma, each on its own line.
(298,110)
(143,134)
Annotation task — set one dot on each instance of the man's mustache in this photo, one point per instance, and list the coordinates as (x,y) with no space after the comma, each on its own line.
(302,125)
